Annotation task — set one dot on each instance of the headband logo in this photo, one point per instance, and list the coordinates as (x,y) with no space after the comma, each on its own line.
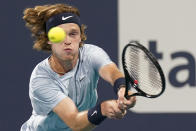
(65,18)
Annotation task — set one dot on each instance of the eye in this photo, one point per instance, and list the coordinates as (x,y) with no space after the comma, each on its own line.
(73,33)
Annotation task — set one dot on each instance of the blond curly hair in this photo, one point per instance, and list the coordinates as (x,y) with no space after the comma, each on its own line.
(36,18)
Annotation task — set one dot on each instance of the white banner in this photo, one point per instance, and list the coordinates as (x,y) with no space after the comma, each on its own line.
(168,28)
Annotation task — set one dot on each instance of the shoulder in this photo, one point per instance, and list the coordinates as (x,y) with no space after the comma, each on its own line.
(90,49)
(41,70)
(42,77)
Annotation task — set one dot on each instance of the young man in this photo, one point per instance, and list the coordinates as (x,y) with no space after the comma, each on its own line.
(63,86)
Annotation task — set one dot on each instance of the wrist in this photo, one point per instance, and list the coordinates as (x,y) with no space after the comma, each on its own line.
(102,109)
(119,83)
(95,115)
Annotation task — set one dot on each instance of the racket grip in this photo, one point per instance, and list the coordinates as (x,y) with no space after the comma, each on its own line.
(127,96)
(127,89)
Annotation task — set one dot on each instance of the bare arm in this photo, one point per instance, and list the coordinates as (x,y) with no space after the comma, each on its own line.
(68,112)
(110,73)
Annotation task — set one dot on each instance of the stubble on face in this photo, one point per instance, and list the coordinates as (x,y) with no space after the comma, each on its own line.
(66,53)
(67,60)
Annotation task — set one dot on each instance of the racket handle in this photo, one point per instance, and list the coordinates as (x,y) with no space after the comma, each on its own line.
(127,89)
(127,96)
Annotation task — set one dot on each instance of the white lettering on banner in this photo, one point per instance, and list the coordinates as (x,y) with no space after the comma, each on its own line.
(167,28)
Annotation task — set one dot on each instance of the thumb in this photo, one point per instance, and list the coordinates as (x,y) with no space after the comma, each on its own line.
(121,94)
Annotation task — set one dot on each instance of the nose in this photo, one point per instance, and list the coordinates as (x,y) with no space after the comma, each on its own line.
(67,41)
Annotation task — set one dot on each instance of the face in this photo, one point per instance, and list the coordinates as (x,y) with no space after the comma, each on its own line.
(68,49)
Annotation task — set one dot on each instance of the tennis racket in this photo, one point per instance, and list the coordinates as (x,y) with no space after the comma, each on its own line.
(142,71)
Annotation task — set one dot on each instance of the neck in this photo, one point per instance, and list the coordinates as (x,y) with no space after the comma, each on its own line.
(62,67)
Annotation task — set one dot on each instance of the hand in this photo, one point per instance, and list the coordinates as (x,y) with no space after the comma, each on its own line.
(131,101)
(111,110)
(123,103)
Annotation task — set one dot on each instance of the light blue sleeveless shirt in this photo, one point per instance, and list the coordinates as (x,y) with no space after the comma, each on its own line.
(47,89)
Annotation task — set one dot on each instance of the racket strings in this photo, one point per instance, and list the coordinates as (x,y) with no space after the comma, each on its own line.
(141,68)
(134,63)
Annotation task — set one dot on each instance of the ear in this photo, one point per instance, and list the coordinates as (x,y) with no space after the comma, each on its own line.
(80,37)
(49,42)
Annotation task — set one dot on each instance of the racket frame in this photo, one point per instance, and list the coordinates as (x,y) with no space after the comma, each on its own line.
(131,82)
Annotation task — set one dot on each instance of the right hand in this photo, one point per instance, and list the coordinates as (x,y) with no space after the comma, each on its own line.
(125,104)
(111,110)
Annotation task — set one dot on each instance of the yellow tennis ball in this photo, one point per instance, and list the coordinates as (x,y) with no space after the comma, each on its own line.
(56,35)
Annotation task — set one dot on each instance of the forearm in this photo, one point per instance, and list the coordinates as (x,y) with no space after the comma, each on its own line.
(87,120)
(78,121)
(81,122)
(110,73)
(117,74)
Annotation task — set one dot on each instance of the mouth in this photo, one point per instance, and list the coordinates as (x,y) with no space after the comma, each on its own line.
(67,49)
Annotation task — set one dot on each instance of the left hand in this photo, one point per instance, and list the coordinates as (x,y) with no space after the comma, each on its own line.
(111,110)
(124,103)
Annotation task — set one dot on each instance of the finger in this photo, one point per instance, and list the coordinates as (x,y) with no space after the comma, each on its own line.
(121,98)
(121,93)
(125,112)
(115,114)
(119,111)
(121,115)
(130,103)
(130,93)
(130,100)
(120,105)
(111,115)
(132,97)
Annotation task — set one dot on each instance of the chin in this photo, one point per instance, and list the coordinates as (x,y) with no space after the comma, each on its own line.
(69,57)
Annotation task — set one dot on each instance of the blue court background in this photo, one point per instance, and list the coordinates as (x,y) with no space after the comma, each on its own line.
(18,60)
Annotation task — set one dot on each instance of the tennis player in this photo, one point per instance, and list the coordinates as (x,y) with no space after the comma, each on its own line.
(63,87)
